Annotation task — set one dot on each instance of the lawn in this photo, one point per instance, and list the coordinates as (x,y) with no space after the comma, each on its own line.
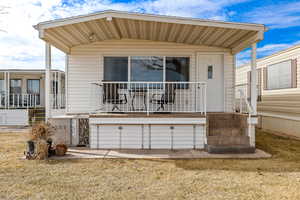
(274,178)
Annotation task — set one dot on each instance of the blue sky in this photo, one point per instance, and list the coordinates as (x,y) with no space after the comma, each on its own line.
(21,48)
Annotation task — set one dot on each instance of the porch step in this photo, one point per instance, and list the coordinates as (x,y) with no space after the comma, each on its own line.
(228,140)
(37,115)
(227,131)
(236,149)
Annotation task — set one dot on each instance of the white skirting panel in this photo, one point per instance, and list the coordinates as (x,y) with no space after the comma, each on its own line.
(147,136)
(14,117)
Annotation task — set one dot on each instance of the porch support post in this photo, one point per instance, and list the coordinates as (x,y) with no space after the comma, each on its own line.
(5,89)
(253,80)
(66,84)
(48,81)
(59,90)
(8,90)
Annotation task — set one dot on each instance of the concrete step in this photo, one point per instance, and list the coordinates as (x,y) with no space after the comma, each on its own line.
(236,149)
(39,115)
(228,140)
(225,131)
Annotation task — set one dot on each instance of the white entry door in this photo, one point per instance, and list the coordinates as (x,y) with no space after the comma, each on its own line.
(211,70)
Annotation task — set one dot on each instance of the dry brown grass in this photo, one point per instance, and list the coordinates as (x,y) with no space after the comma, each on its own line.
(275,178)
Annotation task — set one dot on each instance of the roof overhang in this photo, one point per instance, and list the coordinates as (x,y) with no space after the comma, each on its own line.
(111,25)
(28,70)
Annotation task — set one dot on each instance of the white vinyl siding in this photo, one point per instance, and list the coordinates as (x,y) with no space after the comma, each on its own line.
(149,136)
(277,104)
(279,75)
(229,82)
(86,65)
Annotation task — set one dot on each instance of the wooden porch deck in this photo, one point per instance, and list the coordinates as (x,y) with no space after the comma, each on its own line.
(151,115)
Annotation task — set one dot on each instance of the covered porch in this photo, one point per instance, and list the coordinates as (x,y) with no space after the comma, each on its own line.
(25,89)
(71,33)
(130,63)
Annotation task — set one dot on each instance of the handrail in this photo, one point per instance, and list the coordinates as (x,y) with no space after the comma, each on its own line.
(242,84)
(250,109)
(189,96)
(150,82)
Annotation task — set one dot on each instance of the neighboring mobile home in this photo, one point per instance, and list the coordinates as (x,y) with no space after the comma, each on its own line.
(279,90)
(152,82)
(22,95)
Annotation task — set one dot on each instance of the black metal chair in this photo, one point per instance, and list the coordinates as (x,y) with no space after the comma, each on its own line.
(111,95)
(142,92)
(168,97)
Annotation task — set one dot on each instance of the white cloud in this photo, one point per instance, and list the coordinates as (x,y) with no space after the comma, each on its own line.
(280,15)
(266,50)
(21,48)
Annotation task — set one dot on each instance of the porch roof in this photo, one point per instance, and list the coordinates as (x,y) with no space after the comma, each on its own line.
(110,25)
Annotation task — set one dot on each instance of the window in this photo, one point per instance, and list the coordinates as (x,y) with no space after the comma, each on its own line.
(2,89)
(279,76)
(146,68)
(33,88)
(2,92)
(177,69)
(210,72)
(15,91)
(116,68)
(15,86)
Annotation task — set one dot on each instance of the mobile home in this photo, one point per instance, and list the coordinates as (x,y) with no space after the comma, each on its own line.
(22,95)
(140,81)
(278,90)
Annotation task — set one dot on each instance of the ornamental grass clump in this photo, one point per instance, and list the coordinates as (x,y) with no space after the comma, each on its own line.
(41,131)
(40,140)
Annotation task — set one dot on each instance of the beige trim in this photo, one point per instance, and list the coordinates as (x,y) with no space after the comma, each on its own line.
(265,79)
(67,33)
(110,14)
(246,43)
(273,55)
(294,73)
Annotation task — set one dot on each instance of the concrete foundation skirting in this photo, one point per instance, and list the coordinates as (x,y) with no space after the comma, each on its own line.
(156,154)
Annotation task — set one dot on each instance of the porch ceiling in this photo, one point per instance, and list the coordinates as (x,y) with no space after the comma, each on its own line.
(110,25)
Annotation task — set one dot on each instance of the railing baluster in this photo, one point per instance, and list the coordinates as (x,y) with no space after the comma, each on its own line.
(148,97)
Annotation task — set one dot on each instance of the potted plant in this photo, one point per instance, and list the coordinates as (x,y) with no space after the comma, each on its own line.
(61,149)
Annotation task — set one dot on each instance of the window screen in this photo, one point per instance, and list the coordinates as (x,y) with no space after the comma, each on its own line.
(279,75)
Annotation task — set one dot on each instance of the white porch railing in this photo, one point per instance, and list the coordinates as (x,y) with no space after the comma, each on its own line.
(25,101)
(19,100)
(148,97)
(241,97)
